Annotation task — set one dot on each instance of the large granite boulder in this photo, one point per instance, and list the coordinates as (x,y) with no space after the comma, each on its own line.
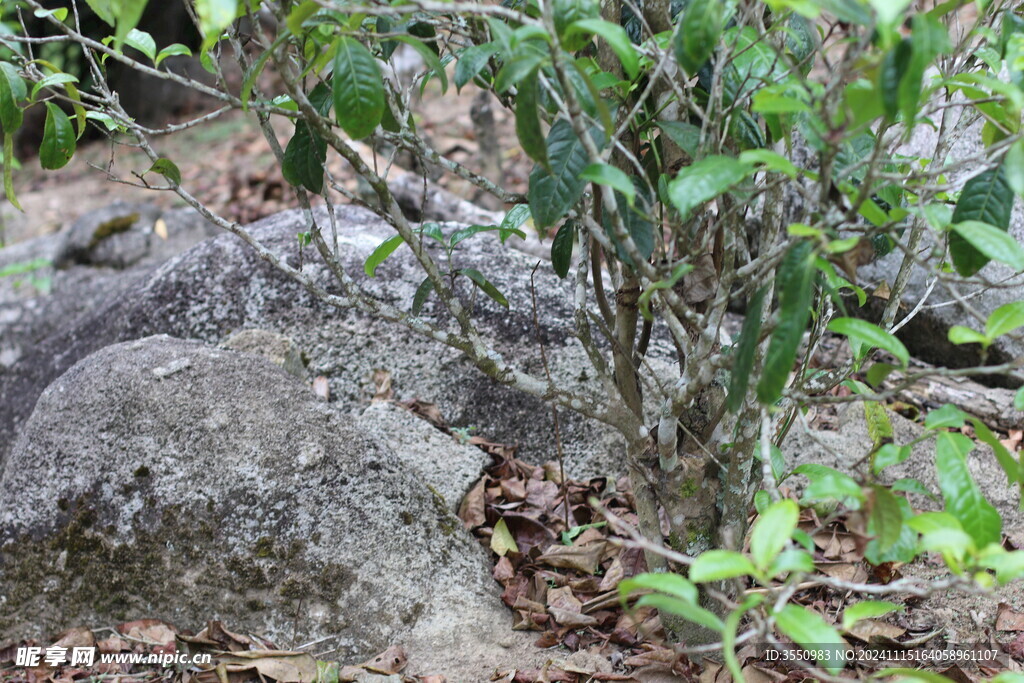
(171,479)
(222,286)
(56,278)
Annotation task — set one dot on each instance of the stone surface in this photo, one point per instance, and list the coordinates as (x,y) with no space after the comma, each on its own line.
(276,348)
(170,479)
(221,286)
(36,304)
(925,336)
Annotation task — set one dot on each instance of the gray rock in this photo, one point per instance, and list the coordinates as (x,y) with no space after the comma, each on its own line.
(222,286)
(276,348)
(925,336)
(34,305)
(170,479)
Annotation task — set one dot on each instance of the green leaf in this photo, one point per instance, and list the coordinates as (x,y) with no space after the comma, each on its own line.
(502,541)
(986,198)
(888,455)
(9,162)
(167,169)
(963,498)
(887,517)
(605,174)
(685,135)
(872,335)
(103,10)
(771,532)
(1005,319)
(471,60)
(1014,472)
(129,13)
(58,145)
(172,50)
(868,609)
(958,334)
(141,41)
(420,297)
(677,274)
(566,12)
(616,38)
(698,34)
(528,127)
(893,71)
(561,249)
(989,241)
(552,194)
(12,91)
(796,284)
(358,89)
(743,352)
(672,584)
(808,629)
(59,78)
(465,233)
(299,14)
(1018,398)
(215,15)
(716,565)
(686,610)
(60,14)
(1013,166)
(704,180)
(911,485)
(480,281)
(770,161)
(430,58)
(516,216)
(304,158)
(383,250)
(790,561)
(889,11)
(946,416)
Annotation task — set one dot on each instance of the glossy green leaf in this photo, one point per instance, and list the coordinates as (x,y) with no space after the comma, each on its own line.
(886,517)
(868,609)
(685,135)
(470,61)
(60,14)
(167,169)
(304,159)
(480,281)
(358,89)
(1005,319)
(58,145)
(716,565)
(103,10)
(958,334)
(796,285)
(129,13)
(871,335)
(215,15)
(946,416)
(561,248)
(743,352)
(704,180)
(888,455)
(59,78)
(616,38)
(669,583)
(430,59)
(698,34)
(141,41)
(991,242)
(962,497)
(790,561)
(687,610)
(986,198)
(605,174)
(528,126)
(1012,468)
(420,297)
(567,12)
(12,91)
(769,161)
(552,194)
(299,14)
(771,532)
(383,250)
(892,73)
(807,628)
